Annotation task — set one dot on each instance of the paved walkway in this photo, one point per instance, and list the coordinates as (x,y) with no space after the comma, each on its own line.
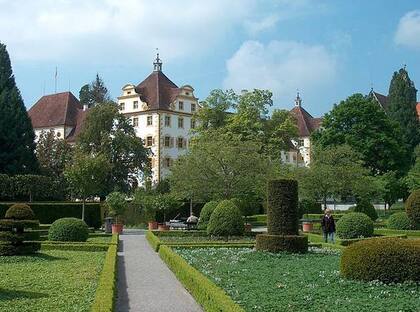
(144,281)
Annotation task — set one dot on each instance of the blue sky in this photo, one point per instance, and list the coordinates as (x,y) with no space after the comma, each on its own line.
(326,49)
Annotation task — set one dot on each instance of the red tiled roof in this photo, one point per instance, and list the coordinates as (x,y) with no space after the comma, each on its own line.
(81,117)
(305,122)
(382,99)
(55,110)
(158,91)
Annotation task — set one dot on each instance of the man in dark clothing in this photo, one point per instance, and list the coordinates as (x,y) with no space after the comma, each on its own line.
(328,226)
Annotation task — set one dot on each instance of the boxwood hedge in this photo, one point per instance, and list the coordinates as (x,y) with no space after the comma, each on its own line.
(355,225)
(68,230)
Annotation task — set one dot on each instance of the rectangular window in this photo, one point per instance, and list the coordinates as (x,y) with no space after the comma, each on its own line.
(193,107)
(180,122)
(167,121)
(192,123)
(135,122)
(149,120)
(122,106)
(135,105)
(149,141)
(167,141)
(181,105)
(180,142)
(167,162)
(300,142)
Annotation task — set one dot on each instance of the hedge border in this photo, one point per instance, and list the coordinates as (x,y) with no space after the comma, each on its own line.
(409,233)
(107,289)
(205,292)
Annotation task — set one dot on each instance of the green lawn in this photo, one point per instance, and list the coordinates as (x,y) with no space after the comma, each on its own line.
(284,282)
(53,280)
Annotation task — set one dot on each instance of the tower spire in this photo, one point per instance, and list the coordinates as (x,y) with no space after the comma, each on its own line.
(298,100)
(157,64)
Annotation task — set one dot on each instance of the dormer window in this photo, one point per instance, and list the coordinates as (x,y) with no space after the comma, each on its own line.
(187,93)
(181,105)
(128,92)
(135,105)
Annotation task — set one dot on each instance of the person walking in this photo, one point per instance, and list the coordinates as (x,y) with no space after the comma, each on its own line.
(328,226)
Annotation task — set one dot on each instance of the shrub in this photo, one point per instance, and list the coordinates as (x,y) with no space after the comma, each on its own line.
(68,229)
(205,214)
(354,225)
(383,259)
(367,208)
(412,207)
(397,206)
(307,206)
(20,212)
(226,220)
(117,204)
(399,221)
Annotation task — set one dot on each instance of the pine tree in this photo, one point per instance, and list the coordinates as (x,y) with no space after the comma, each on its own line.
(17,147)
(94,93)
(402,107)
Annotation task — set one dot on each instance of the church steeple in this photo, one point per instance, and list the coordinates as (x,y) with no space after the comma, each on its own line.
(298,100)
(157,64)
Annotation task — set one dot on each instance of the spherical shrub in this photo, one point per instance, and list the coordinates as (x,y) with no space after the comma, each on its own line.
(68,229)
(412,207)
(399,221)
(20,212)
(226,220)
(354,225)
(367,208)
(205,214)
(384,259)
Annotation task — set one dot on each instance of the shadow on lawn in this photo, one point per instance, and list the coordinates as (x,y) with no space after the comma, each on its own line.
(30,258)
(8,294)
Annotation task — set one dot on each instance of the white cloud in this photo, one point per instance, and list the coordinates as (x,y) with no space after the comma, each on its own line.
(280,66)
(408,31)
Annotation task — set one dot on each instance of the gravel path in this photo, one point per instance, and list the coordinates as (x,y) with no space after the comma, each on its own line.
(144,281)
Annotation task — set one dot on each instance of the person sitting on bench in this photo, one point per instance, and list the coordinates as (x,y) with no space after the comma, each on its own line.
(192,221)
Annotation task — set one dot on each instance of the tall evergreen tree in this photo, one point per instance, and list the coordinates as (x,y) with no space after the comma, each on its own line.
(17,147)
(402,106)
(94,93)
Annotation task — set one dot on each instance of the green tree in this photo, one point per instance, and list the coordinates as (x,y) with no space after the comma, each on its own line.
(392,187)
(94,93)
(111,134)
(412,179)
(360,123)
(53,154)
(17,147)
(401,107)
(219,166)
(117,205)
(86,175)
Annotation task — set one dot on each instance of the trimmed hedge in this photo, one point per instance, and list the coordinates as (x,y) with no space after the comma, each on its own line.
(107,289)
(399,221)
(367,208)
(20,212)
(348,242)
(226,220)
(277,243)
(309,207)
(68,230)
(205,292)
(205,214)
(179,233)
(47,213)
(412,207)
(153,240)
(355,225)
(412,233)
(385,259)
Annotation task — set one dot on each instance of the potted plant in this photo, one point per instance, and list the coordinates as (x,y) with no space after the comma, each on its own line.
(117,205)
(307,225)
(165,203)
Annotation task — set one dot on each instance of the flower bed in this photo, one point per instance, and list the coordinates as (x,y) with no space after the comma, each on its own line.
(260,281)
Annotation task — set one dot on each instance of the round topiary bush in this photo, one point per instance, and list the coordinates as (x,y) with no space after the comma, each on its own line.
(412,207)
(205,214)
(20,212)
(68,229)
(367,208)
(399,221)
(226,220)
(354,225)
(384,259)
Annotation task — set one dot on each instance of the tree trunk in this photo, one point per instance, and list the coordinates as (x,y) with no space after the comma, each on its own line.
(325,202)
(191,206)
(83,208)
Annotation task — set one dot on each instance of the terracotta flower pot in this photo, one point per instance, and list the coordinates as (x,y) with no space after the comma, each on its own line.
(117,228)
(307,226)
(153,225)
(163,227)
(248,227)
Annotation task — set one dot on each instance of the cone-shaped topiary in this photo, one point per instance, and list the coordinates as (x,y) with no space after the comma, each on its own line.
(68,229)
(412,207)
(399,221)
(383,259)
(282,219)
(226,220)
(205,214)
(13,238)
(354,225)
(20,212)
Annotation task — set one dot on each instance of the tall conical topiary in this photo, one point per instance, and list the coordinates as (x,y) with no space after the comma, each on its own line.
(17,147)
(402,100)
